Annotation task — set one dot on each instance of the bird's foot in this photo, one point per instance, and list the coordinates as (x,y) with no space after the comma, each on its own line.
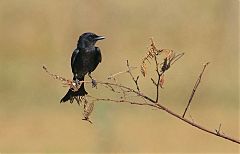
(94,83)
(76,84)
(77,81)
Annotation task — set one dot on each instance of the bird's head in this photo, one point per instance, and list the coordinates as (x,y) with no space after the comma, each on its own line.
(88,40)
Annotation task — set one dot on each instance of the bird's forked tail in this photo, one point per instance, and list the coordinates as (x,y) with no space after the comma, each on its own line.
(81,92)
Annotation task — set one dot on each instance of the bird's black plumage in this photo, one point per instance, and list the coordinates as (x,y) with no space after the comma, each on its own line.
(85,58)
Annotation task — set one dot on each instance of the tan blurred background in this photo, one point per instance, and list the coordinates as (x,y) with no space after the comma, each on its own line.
(33,33)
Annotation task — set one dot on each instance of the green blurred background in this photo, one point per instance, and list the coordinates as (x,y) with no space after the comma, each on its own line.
(33,33)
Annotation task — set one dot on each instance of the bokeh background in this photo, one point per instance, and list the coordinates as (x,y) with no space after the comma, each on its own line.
(35,33)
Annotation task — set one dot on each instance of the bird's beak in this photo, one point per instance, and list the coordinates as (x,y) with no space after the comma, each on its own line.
(99,38)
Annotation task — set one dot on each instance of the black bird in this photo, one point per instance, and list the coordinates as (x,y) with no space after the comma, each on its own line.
(85,58)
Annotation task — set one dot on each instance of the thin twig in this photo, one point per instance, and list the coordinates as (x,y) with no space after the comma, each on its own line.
(133,78)
(219,129)
(158,80)
(119,73)
(176,58)
(195,88)
(115,100)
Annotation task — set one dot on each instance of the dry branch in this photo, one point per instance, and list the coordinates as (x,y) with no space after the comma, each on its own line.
(170,57)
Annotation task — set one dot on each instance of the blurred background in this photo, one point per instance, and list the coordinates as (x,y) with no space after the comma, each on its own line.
(36,33)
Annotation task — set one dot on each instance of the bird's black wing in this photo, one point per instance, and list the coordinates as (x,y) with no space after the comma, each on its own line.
(75,60)
(98,55)
(97,58)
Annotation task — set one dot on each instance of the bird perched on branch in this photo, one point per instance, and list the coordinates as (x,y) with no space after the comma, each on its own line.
(85,58)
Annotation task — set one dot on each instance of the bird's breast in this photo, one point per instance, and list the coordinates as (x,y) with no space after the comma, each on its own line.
(88,60)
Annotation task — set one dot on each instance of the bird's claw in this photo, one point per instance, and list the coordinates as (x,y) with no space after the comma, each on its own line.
(77,81)
(94,83)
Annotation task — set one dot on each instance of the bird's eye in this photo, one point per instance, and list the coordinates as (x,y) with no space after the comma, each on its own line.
(91,37)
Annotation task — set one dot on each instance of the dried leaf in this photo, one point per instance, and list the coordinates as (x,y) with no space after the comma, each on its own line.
(161,81)
(151,53)
(143,69)
(88,108)
(165,64)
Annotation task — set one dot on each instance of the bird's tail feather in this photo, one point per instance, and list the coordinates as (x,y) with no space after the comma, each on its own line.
(81,92)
